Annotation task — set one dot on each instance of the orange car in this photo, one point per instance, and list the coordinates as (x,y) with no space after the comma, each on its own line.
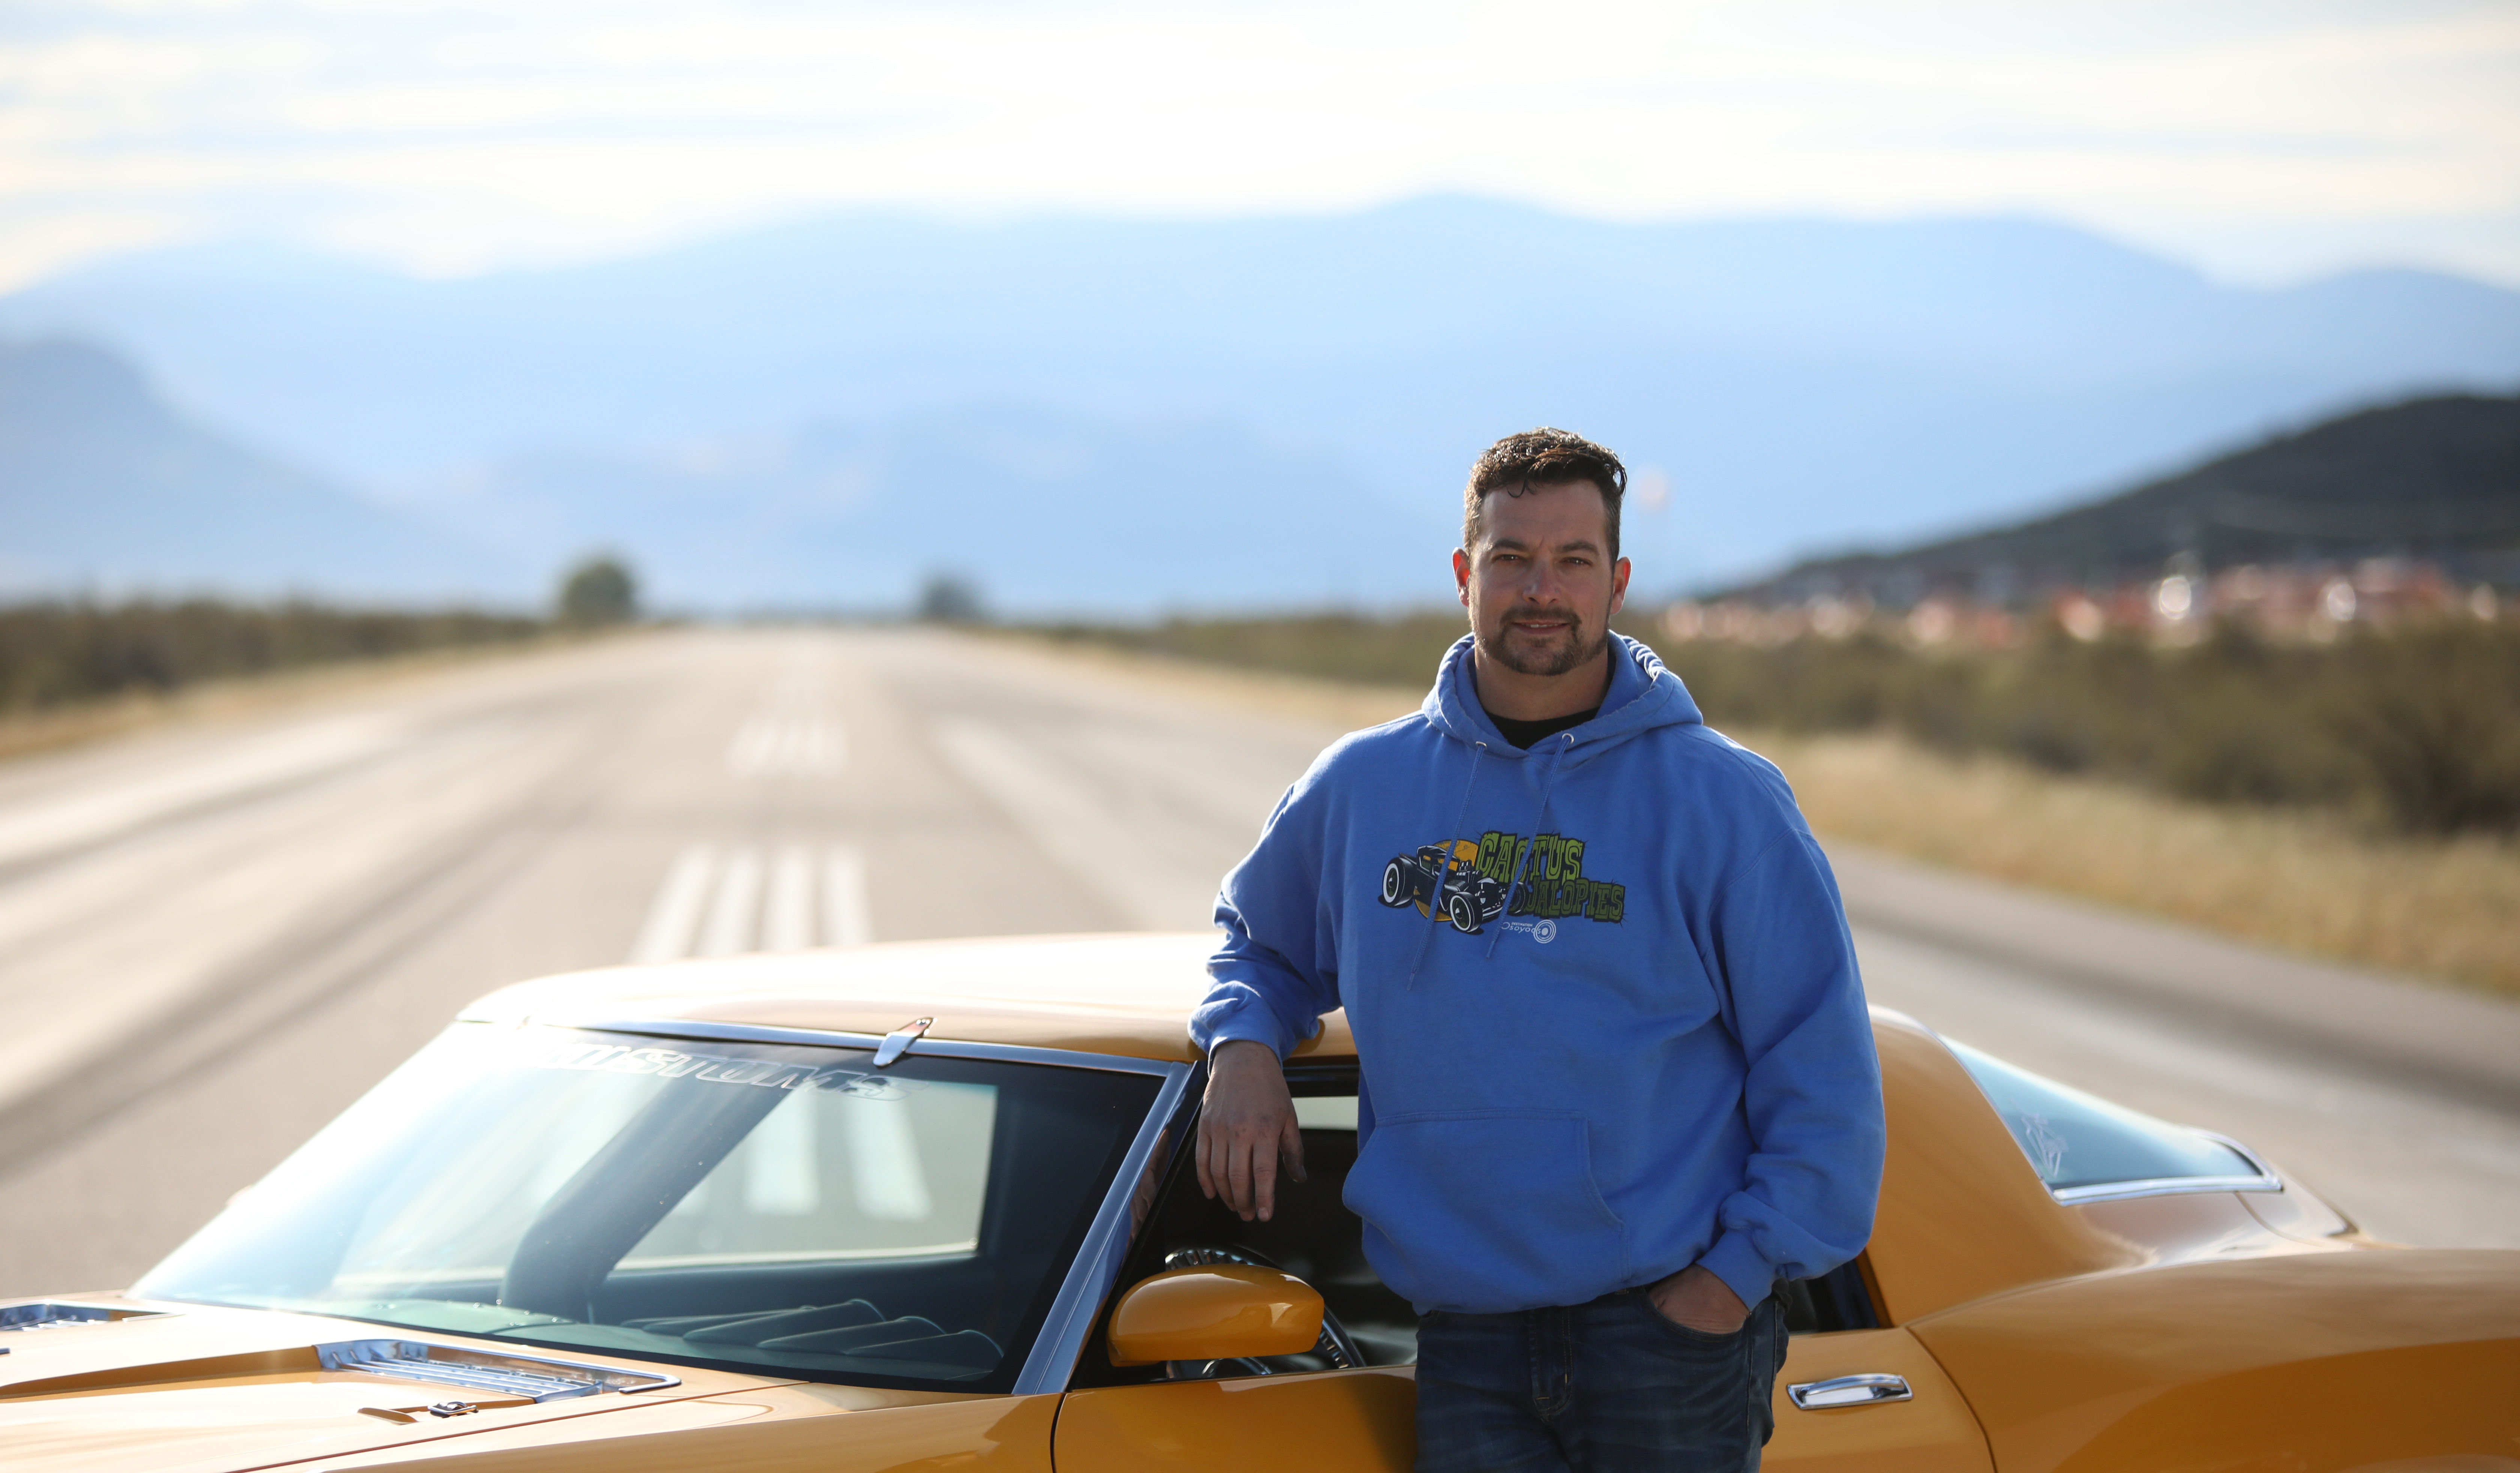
(924,1206)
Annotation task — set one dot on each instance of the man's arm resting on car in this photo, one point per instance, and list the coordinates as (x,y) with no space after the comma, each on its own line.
(1247,1127)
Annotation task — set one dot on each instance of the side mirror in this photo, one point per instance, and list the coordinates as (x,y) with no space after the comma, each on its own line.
(1218,1312)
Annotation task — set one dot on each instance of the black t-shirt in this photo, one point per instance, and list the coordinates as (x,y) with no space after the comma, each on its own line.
(1523,734)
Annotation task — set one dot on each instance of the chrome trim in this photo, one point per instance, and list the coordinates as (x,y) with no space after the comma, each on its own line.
(1096,1266)
(2170,1186)
(928,1048)
(1850,1391)
(2158,1186)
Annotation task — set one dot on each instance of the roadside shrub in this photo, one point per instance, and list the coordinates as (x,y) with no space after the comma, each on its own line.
(59,654)
(599,591)
(2415,727)
(2433,718)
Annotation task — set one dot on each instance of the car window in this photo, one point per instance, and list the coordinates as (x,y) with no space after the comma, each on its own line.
(754,1206)
(2084,1147)
(1326,1112)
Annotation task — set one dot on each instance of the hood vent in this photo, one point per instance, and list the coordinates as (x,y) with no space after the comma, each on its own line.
(524,1377)
(38,1317)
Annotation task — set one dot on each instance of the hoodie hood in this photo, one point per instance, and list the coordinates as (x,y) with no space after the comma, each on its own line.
(1644,695)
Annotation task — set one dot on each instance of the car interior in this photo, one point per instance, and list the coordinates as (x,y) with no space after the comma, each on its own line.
(1313,1236)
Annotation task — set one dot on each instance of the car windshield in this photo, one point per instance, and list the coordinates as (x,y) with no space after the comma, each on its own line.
(2083,1146)
(754,1206)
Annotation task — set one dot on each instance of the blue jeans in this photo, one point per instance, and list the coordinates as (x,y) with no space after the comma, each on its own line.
(1606,1387)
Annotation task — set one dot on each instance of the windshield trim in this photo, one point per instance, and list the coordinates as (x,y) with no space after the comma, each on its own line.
(750,1033)
(2165,1186)
(1095,1267)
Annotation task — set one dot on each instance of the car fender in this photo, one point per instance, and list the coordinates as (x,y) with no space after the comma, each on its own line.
(2312,1361)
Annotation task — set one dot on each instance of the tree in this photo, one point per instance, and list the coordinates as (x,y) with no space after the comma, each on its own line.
(948,598)
(599,591)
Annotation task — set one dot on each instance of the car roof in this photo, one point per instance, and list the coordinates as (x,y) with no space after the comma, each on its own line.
(1129,995)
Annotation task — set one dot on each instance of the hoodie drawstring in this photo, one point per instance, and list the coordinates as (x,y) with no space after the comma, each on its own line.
(1530,849)
(1435,902)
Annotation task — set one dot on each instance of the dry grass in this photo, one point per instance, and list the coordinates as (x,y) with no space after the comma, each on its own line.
(26,732)
(2444,910)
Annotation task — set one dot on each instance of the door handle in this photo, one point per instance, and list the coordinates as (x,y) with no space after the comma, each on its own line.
(1849,1390)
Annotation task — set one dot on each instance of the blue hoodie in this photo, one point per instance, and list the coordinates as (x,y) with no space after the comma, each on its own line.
(1604,1001)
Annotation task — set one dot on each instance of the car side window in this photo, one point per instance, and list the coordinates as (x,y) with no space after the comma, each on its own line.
(2085,1148)
(1312,1236)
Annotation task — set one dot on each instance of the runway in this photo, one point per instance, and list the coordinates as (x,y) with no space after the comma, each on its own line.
(214,934)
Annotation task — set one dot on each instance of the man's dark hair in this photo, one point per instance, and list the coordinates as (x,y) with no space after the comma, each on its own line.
(1542,457)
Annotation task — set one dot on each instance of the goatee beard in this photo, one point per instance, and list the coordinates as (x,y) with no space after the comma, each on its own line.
(1577,650)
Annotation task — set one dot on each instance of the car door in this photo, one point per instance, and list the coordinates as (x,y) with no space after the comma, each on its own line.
(1364,1418)
(1876,1402)
(1362,1421)
(1304,1415)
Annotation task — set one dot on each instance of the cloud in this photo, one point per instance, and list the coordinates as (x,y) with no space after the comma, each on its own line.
(451,136)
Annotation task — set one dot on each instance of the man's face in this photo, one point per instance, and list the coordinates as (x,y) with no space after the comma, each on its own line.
(1539,586)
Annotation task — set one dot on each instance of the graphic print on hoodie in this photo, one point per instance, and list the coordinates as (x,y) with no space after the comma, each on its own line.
(1605,1005)
(1499,874)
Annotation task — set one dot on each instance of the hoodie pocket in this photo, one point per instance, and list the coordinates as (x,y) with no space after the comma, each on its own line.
(1489,1210)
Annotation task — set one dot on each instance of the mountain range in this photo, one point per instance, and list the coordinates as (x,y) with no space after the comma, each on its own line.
(1126,415)
(106,491)
(2434,478)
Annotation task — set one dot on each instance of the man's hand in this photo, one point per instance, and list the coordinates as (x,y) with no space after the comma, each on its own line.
(1246,1126)
(1696,1298)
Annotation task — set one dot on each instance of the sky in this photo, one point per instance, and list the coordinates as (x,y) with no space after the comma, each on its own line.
(2266,142)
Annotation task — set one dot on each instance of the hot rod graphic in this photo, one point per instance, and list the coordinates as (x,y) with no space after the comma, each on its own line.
(1471,899)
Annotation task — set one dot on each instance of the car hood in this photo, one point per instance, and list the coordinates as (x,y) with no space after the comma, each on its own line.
(101,1382)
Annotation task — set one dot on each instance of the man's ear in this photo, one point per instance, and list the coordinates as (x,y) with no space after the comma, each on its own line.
(1618,586)
(1462,575)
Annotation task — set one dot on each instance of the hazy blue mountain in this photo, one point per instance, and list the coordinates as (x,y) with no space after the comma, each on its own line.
(102,488)
(1804,385)
(1042,511)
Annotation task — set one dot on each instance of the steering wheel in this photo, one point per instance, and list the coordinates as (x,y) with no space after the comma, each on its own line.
(1336,1346)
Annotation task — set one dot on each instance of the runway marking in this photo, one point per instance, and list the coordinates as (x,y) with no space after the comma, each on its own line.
(782,744)
(729,928)
(676,910)
(845,918)
(789,924)
(719,903)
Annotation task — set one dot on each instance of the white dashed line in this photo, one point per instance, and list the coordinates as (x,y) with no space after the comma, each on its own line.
(729,927)
(719,903)
(789,924)
(676,910)
(846,920)
(781,746)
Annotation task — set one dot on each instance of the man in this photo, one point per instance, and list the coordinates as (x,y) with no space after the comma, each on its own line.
(1618,1077)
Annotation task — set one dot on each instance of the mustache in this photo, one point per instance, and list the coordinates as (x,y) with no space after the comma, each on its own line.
(1541,611)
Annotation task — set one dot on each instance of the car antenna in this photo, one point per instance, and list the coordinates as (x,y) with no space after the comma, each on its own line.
(897,1043)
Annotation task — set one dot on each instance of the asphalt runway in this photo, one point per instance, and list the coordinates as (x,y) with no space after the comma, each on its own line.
(214,934)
